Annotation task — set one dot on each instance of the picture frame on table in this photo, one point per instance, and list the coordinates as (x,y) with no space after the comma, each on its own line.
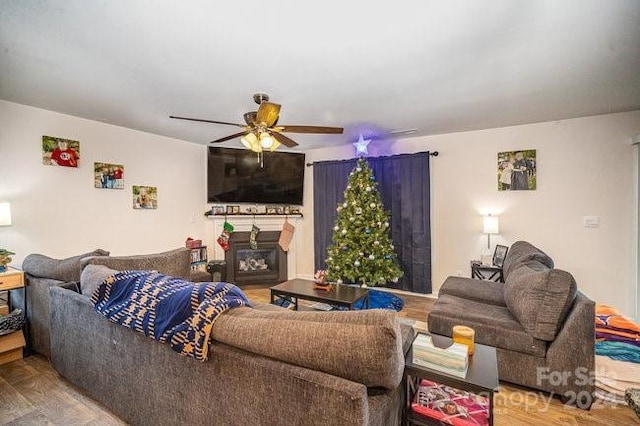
(233,209)
(279,210)
(499,255)
(287,209)
(271,210)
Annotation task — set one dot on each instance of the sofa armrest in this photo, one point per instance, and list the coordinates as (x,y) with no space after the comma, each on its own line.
(573,351)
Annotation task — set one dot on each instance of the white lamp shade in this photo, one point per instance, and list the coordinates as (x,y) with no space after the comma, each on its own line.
(490,225)
(5,214)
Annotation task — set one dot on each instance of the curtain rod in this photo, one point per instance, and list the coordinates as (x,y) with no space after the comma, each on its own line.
(431,154)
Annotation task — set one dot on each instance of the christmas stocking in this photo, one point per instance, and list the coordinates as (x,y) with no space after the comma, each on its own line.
(285,235)
(223,239)
(253,237)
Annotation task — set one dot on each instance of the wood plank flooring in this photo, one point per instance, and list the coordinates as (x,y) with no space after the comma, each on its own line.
(32,393)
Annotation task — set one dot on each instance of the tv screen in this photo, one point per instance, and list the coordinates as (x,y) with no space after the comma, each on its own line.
(236,176)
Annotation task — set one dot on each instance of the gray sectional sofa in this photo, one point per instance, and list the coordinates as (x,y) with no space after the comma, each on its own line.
(542,326)
(267,366)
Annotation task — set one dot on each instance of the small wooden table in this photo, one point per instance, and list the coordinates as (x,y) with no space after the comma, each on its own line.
(481,378)
(338,295)
(11,344)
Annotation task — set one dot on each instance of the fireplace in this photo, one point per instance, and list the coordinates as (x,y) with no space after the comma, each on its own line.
(265,265)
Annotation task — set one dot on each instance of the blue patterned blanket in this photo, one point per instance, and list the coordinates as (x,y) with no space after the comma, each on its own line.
(167,309)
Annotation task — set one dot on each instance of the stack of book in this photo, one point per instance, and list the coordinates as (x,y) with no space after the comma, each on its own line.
(453,360)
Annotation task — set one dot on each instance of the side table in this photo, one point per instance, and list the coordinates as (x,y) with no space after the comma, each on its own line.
(12,344)
(486,272)
(481,380)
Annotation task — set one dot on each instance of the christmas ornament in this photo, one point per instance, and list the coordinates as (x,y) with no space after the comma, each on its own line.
(351,219)
(368,189)
(361,254)
(339,281)
(336,228)
(367,230)
(345,248)
(386,224)
(348,186)
(388,256)
(344,231)
(358,210)
(371,257)
(376,243)
(356,263)
(344,205)
(372,205)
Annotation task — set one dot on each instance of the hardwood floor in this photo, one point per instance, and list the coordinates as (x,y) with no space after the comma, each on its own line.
(32,393)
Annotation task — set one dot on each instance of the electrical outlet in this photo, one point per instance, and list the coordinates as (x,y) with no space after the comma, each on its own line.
(591,221)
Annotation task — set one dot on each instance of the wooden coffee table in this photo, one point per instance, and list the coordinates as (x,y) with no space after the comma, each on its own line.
(338,295)
(481,378)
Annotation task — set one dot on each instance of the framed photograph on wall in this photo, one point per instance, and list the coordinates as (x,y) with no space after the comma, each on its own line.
(499,255)
(108,176)
(60,152)
(517,170)
(145,197)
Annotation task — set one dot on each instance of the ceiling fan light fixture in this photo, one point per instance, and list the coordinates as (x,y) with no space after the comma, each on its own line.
(266,140)
(275,145)
(249,140)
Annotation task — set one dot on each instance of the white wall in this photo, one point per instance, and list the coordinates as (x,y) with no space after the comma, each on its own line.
(58,212)
(585,167)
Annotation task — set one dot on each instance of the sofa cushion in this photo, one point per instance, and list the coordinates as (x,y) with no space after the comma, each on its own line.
(540,299)
(522,253)
(69,269)
(175,263)
(362,346)
(91,278)
(494,325)
(479,290)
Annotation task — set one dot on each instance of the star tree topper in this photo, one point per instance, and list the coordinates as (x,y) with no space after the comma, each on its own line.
(361,146)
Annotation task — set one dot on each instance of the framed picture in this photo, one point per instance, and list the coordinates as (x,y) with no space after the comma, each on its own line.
(145,197)
(499,254)
(271,210)
(295,210)
(279,210)
(108,176)
(60,152)
(217,209)
(250,210)
(262,209)
(287,209)
(233,209)
(517,170)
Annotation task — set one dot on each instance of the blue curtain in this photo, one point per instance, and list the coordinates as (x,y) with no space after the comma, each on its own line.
(403,182)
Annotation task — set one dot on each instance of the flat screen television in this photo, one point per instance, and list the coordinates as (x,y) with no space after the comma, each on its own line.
(236,176)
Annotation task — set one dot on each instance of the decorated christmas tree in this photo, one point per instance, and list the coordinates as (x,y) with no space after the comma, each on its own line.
(361,251)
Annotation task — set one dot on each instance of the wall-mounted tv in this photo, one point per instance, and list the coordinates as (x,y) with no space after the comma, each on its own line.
(236,176)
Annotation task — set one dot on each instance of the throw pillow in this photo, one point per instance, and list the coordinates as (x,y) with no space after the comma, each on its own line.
(69,269)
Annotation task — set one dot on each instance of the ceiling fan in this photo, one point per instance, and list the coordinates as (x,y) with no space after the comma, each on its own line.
(261,131)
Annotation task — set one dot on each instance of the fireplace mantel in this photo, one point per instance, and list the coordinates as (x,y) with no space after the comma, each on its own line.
(243,224)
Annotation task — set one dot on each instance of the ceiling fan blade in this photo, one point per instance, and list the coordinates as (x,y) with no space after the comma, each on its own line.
(268,113)
(207,121)
(289,143)
(226,138)
(311,129)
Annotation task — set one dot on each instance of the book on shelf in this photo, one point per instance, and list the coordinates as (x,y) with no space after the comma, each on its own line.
(452,360)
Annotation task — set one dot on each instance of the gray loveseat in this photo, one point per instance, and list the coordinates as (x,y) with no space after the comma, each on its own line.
(542,326)
(267,366)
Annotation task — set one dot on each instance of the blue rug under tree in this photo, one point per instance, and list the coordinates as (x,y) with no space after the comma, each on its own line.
(382,300)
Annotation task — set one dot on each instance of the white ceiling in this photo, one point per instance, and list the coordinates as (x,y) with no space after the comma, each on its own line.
(438,66)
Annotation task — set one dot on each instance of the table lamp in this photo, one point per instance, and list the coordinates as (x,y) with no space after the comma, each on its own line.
(490,225)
